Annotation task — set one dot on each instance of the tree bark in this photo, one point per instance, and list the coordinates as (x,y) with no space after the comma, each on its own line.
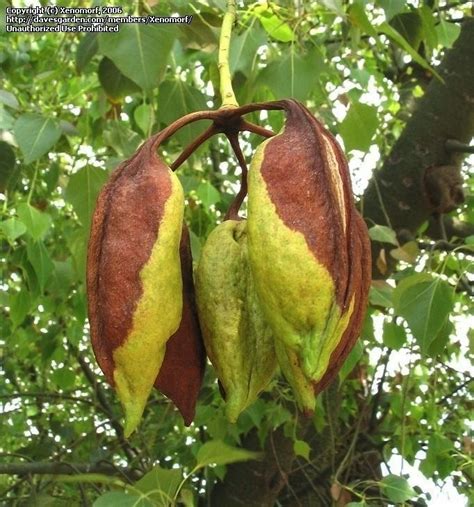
(397,195)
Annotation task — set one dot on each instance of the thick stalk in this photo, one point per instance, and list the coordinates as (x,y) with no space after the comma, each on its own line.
(227,92)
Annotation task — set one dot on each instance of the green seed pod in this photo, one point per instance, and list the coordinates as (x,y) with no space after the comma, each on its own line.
(238,341)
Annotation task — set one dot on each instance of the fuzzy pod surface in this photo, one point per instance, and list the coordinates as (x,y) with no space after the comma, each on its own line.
(238,340)
(309,251)
(134,281)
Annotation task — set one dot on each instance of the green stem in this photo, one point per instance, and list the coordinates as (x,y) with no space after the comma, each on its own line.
(227,93)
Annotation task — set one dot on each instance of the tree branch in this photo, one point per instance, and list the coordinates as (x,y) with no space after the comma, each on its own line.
(47,468)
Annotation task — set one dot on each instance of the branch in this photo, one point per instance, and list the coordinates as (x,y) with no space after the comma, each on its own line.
(45,468)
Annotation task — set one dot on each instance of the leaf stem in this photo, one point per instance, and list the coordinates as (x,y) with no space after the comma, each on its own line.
(227,92)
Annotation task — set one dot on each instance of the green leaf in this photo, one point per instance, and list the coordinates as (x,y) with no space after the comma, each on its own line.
(394,335)
(408,252)
(359,126)
(87,48)
(410,26)
(13,229)
(383,234)
(8,99)
(20,304)
(243,49)
(438,345)
(301,448)
(397,488)
(121,138)
(35,135)
(381,295)
(275,27)
(6,119)
(160,485)
(115,84)
(403,43)
(82,191)
(358,17)
(352,359)
(447,33)
(7,165)
(208,194)
(36,222)
(145,117)
(216,452)
(40,260)
(140,51)
(425,302)
(120,499)
(392,7)
(334,6)
(302,75)
(177,99)
(429,26)
(64,378)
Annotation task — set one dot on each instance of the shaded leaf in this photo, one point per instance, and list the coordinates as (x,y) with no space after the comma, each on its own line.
(7,165)
(87,48)
(115,84)
(403,43)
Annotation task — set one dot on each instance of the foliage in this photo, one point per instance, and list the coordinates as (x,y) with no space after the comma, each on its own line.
(73,106)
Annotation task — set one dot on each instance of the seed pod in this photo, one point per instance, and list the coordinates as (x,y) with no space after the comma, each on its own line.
(309,251)
(238,341)
(134,276)
(182,370)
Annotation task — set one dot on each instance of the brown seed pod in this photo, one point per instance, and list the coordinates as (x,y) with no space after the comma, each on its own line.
(134,282)
(182,370)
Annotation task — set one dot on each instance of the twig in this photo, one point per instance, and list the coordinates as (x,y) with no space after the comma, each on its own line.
(45,468)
